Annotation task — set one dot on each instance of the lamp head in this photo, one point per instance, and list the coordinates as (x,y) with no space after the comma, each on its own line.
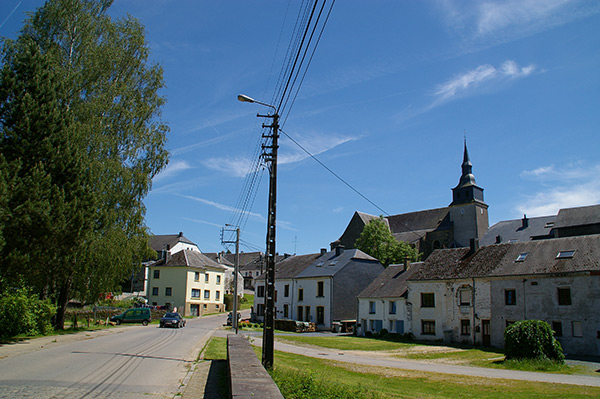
(244,98)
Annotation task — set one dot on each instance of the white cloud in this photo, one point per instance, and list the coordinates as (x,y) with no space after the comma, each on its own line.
(466,83)
(222,207)
(236,167)
(570,186)
(488,23)
(172,169)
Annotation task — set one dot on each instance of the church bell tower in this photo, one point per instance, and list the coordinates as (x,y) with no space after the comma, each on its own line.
(468,211)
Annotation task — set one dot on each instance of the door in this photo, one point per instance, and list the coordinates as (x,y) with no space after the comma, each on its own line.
(485,332)
(400,326)
(320,315)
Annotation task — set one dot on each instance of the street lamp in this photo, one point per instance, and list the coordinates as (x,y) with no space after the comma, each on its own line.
(269,323)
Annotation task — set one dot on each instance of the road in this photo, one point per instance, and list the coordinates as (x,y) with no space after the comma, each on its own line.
(127,362)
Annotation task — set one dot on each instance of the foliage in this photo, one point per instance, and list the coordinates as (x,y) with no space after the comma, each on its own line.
(21,312)
(532,339)
(80,138)
(377,241)
(309,384)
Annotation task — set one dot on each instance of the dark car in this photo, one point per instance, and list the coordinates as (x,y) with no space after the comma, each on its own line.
(137,315)
(172,320)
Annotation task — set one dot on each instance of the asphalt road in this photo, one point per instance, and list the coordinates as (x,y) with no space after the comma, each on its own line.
(128,362)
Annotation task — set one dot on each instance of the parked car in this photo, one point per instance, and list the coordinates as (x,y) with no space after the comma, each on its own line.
(135,315)
(173,319)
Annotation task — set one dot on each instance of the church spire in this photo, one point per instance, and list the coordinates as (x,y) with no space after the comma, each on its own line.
(466,190)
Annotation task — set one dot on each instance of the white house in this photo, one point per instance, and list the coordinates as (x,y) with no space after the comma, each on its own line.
(472,295)
(188,281)
(323,291)
(382,305)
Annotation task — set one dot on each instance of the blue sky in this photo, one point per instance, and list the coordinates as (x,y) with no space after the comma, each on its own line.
(392,90)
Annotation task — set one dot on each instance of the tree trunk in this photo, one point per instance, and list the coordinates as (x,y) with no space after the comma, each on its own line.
(61,305)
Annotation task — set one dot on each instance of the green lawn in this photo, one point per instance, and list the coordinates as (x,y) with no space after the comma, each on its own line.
(481,357)
(303,377)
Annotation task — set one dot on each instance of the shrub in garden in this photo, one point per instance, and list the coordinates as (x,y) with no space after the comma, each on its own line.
(22,312)
(531,339)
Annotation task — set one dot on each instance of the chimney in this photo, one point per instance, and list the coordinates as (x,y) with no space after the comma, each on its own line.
(339,250)
(473,245)
(406,263)
(323,251)
(525,221)
(168,254)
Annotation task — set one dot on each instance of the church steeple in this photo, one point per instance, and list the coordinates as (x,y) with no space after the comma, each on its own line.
(467,190)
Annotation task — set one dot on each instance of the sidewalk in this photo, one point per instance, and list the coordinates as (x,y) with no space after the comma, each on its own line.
(366,358)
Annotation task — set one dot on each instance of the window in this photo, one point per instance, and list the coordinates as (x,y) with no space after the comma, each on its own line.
(372,307)
(465,297)
(286,310)
(564,296)
(510,297)
(196,276)
(155,291)
(300,294)
(156,274)
(465,327)
(521,257)
(195,293)
(217,295)
(392,307)
(427,300)
(260,291)
(206,294)
(286,291)
(206,278)
(299,315)
(319,288)
(168,291)
(218,279)
(577,329)
(307,313)
(557,328)
(565,254)
(428,327)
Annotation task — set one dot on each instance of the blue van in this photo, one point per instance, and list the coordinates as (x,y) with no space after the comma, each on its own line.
(135,315)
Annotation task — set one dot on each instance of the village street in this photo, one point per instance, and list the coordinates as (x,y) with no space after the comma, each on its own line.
(125,362)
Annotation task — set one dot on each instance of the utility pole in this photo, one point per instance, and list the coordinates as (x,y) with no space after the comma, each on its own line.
(234,319)
(270,155)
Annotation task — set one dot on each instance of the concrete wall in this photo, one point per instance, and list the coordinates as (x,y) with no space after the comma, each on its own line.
(388,321)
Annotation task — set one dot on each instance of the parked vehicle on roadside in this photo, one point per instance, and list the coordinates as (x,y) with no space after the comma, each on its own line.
(135,315)
(172,319)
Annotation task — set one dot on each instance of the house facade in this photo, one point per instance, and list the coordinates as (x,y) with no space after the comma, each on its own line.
(188,281)
(382,305)
(320,288)
(470,295)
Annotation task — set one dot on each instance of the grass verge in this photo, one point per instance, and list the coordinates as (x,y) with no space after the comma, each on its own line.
(303,377)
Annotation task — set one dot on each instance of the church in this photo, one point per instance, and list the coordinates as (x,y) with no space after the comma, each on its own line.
(454,226)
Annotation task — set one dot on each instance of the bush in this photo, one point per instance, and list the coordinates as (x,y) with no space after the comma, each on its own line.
(532,339)
(21,312)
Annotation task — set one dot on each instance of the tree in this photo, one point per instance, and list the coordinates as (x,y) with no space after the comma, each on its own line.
(531,339)
(81,138)
(377,241)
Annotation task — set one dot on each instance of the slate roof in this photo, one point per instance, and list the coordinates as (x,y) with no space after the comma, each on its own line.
(391,283)
(219,258)
(187,258)
(292,266)
(329,264)
(580,216)
(514,231)
(160,242)
(500,260)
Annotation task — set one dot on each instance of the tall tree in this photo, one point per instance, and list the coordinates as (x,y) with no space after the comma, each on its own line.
(82,137)
(377,241)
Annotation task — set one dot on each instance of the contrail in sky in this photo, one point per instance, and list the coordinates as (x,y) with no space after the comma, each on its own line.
(11,13)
